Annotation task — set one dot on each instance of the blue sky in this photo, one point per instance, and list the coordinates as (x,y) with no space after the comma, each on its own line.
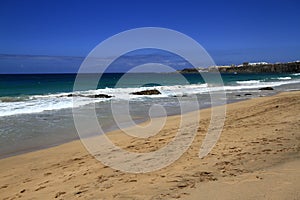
(231,31)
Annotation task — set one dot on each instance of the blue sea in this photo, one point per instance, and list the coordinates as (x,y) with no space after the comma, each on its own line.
(36,109)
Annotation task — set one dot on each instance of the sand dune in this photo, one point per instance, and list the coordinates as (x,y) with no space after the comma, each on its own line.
(256,157)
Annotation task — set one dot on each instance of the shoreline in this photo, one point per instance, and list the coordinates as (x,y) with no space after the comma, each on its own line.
(258,134)
(50,123)
(113,128)
(139,122)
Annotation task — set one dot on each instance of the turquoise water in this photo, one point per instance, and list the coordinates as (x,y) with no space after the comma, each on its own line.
(36,110)
(42,84)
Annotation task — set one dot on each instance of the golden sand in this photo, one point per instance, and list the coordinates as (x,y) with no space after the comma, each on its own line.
(256,157)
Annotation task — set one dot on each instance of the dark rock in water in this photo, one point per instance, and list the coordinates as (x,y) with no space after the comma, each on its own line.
(184,95)
(72,95)
(247,94)
(90,96)
(99,96)
(146,92)
(266,88)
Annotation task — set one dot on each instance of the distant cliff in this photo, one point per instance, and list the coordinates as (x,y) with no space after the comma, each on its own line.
(189,70)
(291,67)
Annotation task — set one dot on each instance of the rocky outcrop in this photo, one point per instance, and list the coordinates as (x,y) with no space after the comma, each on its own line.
(266,88)
(264,68)
(147,92)
(90,96)
(73,95)
(99,96)
(189,70)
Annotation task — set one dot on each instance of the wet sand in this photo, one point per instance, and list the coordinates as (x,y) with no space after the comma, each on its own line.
(256,157)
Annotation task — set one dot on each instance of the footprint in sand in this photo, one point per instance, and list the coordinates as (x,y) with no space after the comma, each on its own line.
(3,186)
(80,192)
(27,180)
(44,182)
(59,194)
(47,174)
(40,188)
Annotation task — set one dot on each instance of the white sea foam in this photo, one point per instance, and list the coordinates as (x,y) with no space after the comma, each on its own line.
(249,82)
(283,78)
(40,103)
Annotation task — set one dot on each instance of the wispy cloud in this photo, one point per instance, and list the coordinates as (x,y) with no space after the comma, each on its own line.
(71,64)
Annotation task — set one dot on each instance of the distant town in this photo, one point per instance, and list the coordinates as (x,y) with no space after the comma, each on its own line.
(246,67)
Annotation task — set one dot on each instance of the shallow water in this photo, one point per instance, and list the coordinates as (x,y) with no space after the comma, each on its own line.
(36,112)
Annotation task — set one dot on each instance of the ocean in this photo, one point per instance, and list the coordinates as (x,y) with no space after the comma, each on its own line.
(36,109)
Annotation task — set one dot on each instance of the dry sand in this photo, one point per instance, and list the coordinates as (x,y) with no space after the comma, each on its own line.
(256,157)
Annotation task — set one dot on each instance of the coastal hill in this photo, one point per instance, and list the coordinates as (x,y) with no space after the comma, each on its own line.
(262,67)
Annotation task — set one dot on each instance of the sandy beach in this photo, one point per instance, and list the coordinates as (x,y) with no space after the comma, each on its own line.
(256,157)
